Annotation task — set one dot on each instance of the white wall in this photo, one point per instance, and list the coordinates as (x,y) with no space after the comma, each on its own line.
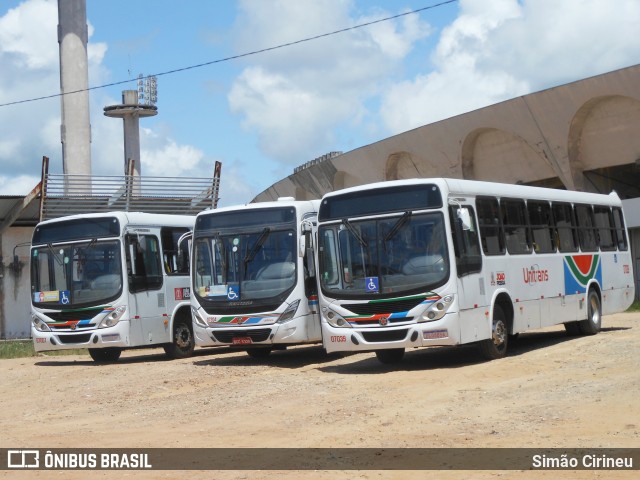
(15,285)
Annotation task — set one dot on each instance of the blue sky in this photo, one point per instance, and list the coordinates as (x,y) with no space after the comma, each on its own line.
(263,115)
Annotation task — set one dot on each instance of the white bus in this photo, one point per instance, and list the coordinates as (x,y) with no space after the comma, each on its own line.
(426,262)
(110,281)
(253,276)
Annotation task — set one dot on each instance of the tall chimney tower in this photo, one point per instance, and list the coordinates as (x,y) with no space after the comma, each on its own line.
(74,77)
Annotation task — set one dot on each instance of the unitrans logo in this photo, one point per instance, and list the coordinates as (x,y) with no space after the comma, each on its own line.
(534,275)
(23,459)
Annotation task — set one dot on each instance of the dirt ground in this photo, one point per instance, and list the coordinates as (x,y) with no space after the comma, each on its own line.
(551,391)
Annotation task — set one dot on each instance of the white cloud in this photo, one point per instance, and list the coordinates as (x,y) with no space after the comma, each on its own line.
(26,32)
(163,157)
(20,185)
(499,49)
(294,98)
(29,56)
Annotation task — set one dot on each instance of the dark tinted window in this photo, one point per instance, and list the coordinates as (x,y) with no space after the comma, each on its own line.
(618,222)
(541,224)
(380,200)
(78,229)
(491,233)
(565,227)
(176,260)
(516,228)
(245,218)
(586,228)
(604,226)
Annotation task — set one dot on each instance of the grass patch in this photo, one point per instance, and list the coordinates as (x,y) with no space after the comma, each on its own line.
(24,348)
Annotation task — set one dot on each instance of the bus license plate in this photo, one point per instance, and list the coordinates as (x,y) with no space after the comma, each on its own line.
(241,340)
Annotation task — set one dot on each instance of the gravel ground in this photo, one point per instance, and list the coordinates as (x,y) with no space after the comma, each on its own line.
(551,391)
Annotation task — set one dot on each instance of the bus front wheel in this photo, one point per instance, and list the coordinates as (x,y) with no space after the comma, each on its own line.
(105,355)
(392,355)
(183,342)
(496,346)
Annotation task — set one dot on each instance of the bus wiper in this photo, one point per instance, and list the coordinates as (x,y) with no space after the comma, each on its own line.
(223,255)
(354,231)
(55,255)
(397,226)
(257,246)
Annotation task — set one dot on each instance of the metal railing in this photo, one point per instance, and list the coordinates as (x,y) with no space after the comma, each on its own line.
(64,194)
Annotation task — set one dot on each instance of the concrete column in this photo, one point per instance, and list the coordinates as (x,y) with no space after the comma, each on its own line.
(74,77)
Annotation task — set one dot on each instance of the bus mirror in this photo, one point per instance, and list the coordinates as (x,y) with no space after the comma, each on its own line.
(303,246)
(306,226)
(311,266)
(465,218)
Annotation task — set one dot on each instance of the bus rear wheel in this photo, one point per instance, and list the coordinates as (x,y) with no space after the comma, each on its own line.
(105,355)
(593,323)
(496,346)
(183,342)
(392,355)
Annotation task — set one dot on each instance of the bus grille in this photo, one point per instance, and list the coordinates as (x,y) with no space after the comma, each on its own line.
(71,339)
(385,336)
(256,335)
(372,308)
(66,315)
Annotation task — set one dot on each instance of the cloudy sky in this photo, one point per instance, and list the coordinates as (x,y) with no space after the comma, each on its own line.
(262,115)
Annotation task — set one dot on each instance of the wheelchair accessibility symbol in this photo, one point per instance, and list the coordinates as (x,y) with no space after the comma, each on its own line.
(233,292)
(371,284)
(64,297)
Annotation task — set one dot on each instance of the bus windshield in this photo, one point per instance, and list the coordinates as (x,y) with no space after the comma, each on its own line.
(255,263)
(384,256)
(78,274)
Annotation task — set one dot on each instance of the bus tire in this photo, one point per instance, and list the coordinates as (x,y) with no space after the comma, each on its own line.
(496,346)
(183,342)
(593,323)
(392,355)
(260,352)
(105,355)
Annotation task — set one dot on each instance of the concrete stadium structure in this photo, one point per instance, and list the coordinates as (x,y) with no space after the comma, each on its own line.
(583,136)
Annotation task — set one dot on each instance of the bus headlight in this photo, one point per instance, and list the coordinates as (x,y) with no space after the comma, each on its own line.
(197,318)
(289,312)
(39,324)
(437,309)
(336,320)
(113,317)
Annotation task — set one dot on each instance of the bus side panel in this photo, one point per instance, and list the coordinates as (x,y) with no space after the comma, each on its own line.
(617,282)
(474,325)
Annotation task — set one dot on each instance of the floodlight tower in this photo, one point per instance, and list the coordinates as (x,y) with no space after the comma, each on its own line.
(131,110)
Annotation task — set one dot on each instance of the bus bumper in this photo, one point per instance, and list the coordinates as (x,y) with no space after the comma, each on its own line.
(289,333)
(443,332)
(116,336)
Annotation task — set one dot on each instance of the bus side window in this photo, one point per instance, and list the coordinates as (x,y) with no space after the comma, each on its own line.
(586,228)
(618,222)
(541,226)
(605,229)
(143,262)
(491,231)
(465,241)
(516,228)
(565,227)
(175,261)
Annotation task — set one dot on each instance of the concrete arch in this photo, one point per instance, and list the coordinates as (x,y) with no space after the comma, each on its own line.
(401,165)
(600,122)
(497,155)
